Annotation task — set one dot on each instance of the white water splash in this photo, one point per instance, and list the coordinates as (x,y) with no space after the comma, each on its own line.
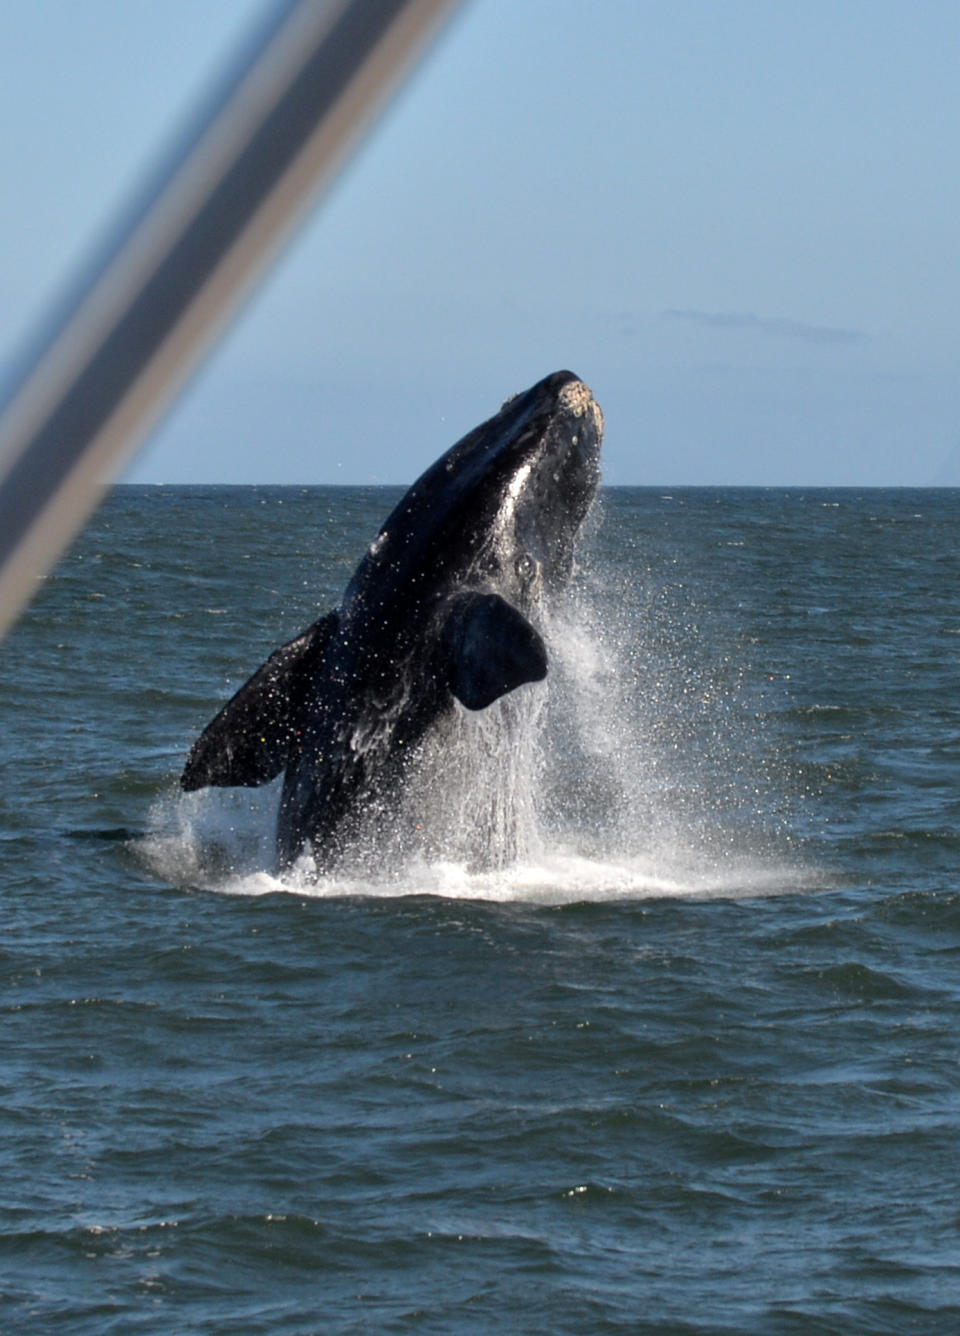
(556,879)
(202,839)
(560,793)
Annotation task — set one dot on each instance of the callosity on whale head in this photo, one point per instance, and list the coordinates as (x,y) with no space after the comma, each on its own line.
(443,608)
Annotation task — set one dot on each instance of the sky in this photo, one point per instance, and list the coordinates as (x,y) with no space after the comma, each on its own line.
(736,220)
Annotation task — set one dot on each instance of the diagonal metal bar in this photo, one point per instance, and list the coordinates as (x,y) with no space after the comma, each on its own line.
(188,259)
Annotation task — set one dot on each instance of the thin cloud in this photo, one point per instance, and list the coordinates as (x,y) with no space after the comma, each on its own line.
(775,327)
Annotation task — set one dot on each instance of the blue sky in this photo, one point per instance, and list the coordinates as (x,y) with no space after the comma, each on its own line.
(737,221)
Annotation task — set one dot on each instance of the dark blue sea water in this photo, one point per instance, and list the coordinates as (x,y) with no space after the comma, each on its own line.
(686,1061)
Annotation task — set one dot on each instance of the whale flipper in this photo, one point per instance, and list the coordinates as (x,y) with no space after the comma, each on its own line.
(488,648)
(249,741)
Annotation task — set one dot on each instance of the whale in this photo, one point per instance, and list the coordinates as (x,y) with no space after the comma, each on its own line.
(444,613)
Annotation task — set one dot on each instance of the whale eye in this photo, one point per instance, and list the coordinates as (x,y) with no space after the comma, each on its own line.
(526,567)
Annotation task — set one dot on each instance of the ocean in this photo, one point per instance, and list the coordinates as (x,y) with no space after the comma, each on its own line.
(657,1030)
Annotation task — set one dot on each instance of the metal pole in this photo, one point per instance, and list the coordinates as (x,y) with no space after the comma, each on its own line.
(180,270)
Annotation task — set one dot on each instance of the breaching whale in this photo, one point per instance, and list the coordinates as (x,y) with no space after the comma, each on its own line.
(442,609)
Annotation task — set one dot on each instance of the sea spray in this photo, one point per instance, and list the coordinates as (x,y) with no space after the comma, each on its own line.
(613,779)
(656,716)
(472,795)
(202,839)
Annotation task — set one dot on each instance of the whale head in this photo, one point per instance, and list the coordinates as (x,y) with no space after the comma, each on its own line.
(557,428)
(503,508)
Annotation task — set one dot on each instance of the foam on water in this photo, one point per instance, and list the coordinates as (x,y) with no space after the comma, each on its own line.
(613,781)
(558,879)
(215,842)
